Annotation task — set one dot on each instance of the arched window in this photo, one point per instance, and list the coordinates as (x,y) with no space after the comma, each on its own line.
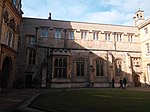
(60,68)
(118,66)
(148,73)
(80,67)
(99,67)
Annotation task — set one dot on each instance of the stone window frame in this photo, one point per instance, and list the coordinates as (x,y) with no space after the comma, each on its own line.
(107,35)
(30,40)
(80,67)
(95,35)
(118,67)
(60,67)
(71,34)
(44,32)
(84,34)
(130,37)
(58,33)
(31,56)
(99,67)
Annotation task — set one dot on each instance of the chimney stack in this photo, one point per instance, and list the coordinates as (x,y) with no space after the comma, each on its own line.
(49,16)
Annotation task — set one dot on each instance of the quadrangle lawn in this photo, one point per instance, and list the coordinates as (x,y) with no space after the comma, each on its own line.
(94,100)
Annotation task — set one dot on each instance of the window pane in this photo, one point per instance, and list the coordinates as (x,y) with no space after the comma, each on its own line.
(71,35)
(97,69)
(64,63)
(60,62)
(33,62)
(82,69)
(34,54)
(57,33)
(44,32)
(32,57)
(78,69)
(60,72)
(102,74)
(32,40)
(64,72)
(61,66)
(55,72)
(56,62)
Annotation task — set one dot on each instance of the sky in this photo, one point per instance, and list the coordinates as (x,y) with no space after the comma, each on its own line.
(118,12)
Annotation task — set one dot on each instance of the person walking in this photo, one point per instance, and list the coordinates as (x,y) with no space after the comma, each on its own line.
(113,83)
(124,82)
(121,83)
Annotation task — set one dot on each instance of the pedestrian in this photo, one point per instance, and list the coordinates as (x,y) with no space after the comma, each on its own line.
(121,83)
(124,82)
(113,83)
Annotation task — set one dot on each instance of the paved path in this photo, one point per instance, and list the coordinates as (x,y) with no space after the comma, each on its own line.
(10,99)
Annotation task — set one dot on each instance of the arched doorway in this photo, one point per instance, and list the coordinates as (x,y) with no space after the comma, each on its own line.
(6,70)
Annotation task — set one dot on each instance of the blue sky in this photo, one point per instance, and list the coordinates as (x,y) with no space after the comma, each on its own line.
(96,11)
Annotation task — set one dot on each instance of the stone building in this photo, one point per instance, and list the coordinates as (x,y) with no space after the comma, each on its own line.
(10,21)
(144,34)
(56,53)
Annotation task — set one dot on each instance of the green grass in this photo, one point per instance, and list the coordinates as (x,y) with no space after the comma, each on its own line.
(94,100)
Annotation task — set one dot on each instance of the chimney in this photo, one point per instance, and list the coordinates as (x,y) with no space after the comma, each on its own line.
(49,16)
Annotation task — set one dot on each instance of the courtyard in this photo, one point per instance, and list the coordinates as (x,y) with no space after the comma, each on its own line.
(94,100)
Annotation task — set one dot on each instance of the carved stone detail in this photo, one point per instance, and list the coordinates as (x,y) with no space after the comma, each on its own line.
(5,15)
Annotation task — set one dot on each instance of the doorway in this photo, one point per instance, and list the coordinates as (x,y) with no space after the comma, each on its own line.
(137,80)
(6,70)
(29,81)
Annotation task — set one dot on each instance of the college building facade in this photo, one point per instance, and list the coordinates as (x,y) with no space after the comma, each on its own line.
(57,54)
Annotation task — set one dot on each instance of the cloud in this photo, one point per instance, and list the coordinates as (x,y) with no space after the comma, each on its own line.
(108,17)
(98,11)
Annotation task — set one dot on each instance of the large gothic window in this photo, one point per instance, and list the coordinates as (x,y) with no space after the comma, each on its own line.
(118,67)
(60,67)
(80,67)
(99,67)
